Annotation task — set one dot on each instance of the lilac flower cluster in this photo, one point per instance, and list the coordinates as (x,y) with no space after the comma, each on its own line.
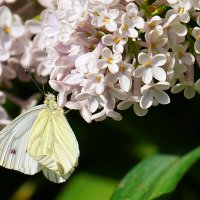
(107,55)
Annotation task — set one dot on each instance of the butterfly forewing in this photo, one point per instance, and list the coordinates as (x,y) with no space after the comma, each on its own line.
(14,140)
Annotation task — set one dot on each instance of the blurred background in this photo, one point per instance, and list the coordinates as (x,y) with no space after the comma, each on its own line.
(108,149)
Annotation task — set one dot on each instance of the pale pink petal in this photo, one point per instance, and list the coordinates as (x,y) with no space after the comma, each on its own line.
(51,31)
(119,48)
(114,115)
(85,113)
(33,26)
(138,110)
(17,30)
(188,59)
(159,73)
(119,94)
(5,16)
(124,105)
(159,60)
(100,116)
(161,96)
(140,70)
(114,13)
(4,55)
(147,76)
(112,26)
(56,85)
(117,58)
(162,85)
(132,9)
(74,79)
(143,58)
(100,88)
(113,68)
(106,53)
(73,105)
(125,82)
(180,30)
(93,104)
(185,17)
(108,39)
(139,22)
(197,46)
(132,33)
(146,100)
(82,96)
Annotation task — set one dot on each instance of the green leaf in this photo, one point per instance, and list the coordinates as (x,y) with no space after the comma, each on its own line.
(88,187)
(155,178)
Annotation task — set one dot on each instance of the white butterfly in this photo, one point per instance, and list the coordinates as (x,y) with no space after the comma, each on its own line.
(40,139)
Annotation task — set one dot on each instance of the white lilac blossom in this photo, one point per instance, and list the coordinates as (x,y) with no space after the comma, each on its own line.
(102,56)
(18,51)
(196,35)
(151,67)
(181,8)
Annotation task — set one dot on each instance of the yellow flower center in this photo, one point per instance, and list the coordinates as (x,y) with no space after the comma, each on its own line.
(148,64)
(132,17)
(198,37)
(6,29)
(122,68)
(98,79)
(106,20)
(180,54)
(152,25)
(110,60)
(181,10)
(125,27)
(116,40)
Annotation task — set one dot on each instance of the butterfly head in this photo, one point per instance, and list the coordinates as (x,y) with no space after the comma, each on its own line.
(51,104)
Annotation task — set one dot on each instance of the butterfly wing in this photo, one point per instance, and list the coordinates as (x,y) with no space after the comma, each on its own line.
(56,177)
(14,140)
(53,144)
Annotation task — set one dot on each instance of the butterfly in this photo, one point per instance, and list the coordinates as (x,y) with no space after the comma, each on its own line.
(40,139)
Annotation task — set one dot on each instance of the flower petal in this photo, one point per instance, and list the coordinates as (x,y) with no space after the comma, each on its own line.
(189,92)
(125,82)
(161,96)
(159,60)
(146,100)
(138,110)
(143,58)
(140,70)
(159,73)
(147,76)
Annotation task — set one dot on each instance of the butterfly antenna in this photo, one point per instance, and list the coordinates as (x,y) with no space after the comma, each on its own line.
(43,85)
(34,82)
(67,111)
